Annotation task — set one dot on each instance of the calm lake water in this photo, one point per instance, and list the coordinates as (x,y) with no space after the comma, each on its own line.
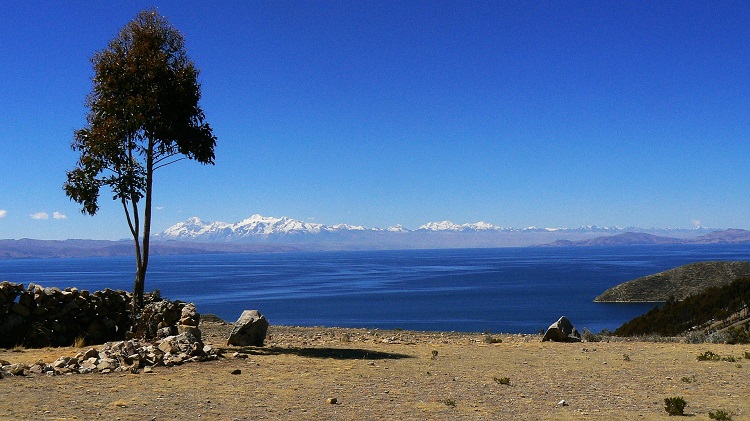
(508,290)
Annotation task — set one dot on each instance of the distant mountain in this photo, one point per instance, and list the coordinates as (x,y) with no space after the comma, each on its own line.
(28,248)
(259,227)
(262,233)
(624,239)
(729,236)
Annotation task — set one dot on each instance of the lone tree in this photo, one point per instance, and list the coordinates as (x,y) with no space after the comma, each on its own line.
(143,115)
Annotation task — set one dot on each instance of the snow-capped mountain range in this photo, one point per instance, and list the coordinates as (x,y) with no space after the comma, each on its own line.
(264,228)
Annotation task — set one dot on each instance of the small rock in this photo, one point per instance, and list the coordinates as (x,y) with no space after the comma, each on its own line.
(236,371)
(562,403)
(332,401)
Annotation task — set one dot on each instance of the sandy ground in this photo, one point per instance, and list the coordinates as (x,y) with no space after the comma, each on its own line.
(395,375)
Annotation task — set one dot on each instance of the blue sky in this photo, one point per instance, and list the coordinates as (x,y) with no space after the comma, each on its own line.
(376,113)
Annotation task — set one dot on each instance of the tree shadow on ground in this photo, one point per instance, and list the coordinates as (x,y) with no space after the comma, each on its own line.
(335,353)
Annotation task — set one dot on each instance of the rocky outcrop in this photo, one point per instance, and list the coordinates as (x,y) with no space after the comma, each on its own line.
(562,331)
(249,330)
(678,283)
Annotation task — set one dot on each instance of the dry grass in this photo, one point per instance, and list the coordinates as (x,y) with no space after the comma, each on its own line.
(377,375)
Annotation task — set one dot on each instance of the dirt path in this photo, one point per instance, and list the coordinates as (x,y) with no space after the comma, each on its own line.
(377,375)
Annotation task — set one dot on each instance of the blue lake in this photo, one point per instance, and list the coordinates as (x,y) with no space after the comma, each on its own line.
(508,290)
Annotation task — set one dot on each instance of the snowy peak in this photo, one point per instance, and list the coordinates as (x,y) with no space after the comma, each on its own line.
(271,228)
(450,226)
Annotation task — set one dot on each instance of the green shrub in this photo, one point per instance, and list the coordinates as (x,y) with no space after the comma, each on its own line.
(688,379)
(719,415)
(449,402)
(502,380)
(675,405)
(708,356)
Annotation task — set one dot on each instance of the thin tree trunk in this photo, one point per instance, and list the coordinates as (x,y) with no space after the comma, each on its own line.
(140,280)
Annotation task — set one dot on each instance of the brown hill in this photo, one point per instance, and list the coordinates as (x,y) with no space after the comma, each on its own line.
(679,282)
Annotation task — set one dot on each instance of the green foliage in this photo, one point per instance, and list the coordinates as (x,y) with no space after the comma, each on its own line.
(686,379)
(502,380)
(709,356)
(677,317)
(449,402)
(720,415)
(625,357)
(675,405)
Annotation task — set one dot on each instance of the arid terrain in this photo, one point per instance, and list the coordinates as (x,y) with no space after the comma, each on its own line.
(381,375)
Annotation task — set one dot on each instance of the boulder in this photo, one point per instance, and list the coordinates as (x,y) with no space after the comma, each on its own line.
(562,331)
(249,330)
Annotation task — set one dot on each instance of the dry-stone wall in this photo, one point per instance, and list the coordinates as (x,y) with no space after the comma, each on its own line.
(38,317)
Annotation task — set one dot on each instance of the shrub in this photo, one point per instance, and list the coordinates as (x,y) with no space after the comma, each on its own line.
(502,380)
(695,337)
(688,379)
(449,402)
(747,355)
(708,356)
(675,405)
(721,337)
(719,415)
(625,357)
(489,339)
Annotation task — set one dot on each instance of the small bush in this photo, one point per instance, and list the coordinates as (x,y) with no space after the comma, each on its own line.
(434,354)
(708,356)
(675,405)
(695,337)
(625,357)
(449,402)
(719,415)
(489,339)
(721,337)
(688,379)
(502,380)
(730,359)
(79,342)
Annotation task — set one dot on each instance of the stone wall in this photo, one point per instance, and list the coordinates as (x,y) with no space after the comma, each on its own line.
(38,317)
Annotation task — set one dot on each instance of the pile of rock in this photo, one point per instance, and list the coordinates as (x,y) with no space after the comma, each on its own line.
(38,317)
(121,356)
(166,318)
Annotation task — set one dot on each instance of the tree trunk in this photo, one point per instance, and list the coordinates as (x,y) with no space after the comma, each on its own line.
(140,277)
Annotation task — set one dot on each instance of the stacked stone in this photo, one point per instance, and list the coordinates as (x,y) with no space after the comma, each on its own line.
(38,316)
(165,318)
(189,321)
(121,356)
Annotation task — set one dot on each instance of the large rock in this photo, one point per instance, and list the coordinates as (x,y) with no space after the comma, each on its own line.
(249,330)
(562,331)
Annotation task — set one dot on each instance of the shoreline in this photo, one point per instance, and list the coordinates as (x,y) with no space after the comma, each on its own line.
(396,374)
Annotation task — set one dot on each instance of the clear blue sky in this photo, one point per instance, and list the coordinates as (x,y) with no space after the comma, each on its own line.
(375,113)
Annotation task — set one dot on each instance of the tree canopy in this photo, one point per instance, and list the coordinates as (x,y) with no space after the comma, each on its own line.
(143,115)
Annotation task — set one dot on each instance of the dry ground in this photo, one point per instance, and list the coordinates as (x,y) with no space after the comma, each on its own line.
(381,375)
